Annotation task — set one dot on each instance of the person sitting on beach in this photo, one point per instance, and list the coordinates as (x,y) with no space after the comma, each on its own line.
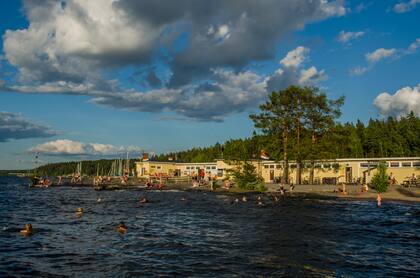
(122,229)
(143,200)
(365,188)
(27,230)
(292,186)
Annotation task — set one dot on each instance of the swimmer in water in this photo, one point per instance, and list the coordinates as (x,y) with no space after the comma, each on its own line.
(143,200)
(99,200)
(122,229)
(276,199)
(244,199)
(236,200)
(260,203)
(79,212)
(27,230)
(259,198)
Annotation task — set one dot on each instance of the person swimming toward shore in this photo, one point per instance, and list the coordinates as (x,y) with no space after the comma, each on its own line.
(99,200)
(143,200)
(27,230)
(122,229)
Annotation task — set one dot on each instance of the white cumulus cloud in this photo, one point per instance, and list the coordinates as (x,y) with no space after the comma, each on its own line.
(65,147)
(345,37)
(292,73)
(407,6)
(380,54)
(402,102)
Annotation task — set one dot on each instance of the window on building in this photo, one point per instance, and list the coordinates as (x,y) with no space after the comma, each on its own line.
(188,167)
(394,164)
(213,167)
(369,164)
(278,166)
(153,167)
(158,167)
(326,166)
(318,165)
(197,167)
(220,173)
(265,166)
(293,166)
(271,166)
(208,167)
(416,164)
(406,164)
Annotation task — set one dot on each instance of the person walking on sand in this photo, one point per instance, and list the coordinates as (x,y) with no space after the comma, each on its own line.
(379,199)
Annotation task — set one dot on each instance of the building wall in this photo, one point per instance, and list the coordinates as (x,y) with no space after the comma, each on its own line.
(342,170)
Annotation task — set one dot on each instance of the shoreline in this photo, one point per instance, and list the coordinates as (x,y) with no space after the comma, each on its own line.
(394,193)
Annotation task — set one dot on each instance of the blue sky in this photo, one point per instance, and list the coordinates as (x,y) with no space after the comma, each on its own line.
(78,81)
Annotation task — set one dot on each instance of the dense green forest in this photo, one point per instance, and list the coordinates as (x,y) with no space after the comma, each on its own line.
(379,138)
(89,167)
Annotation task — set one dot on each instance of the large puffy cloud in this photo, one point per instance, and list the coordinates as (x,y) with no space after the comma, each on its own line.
(292,73)
(227,92)
(68,147)
(404,101)
(229,33)
(74,46)
(14,126)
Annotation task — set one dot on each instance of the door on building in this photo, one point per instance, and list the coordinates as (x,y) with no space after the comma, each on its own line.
(271,175)
(349,177)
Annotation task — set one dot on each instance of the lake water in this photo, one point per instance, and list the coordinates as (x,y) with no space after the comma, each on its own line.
(202,234)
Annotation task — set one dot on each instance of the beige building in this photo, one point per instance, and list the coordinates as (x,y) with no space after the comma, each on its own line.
(348,170)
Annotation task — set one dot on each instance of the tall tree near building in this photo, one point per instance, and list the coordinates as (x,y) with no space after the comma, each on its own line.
(320,116)
(276,120)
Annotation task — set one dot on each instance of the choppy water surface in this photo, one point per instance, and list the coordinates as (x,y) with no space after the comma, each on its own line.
(202,234)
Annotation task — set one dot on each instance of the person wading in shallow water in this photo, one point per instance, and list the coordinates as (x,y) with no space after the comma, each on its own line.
(379,199)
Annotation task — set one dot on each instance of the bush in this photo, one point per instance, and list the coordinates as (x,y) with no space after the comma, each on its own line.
(380,180)
(246,177)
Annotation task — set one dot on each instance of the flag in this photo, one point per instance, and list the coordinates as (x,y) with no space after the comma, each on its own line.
(264,155)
